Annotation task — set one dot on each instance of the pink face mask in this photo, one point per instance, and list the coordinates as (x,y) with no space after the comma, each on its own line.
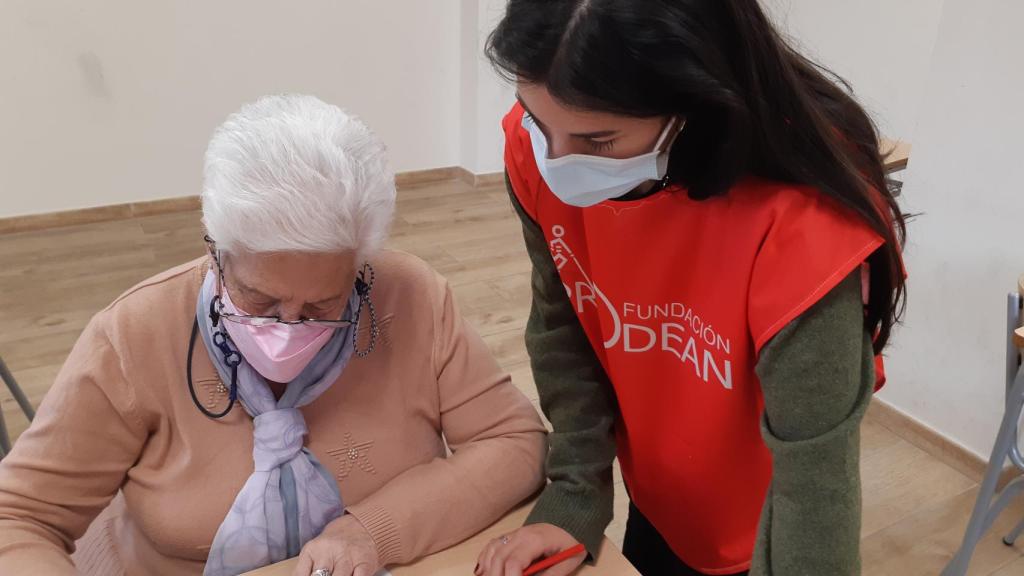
(279,352)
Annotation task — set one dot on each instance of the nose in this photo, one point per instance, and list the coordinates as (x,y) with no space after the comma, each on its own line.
(290,312)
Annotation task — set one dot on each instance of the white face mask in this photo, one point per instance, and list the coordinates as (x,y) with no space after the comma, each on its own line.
(583,180)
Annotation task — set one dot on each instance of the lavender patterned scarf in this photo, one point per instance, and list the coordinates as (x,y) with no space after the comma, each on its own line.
(290,497)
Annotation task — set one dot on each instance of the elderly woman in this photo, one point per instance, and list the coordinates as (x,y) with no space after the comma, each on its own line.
(294,393)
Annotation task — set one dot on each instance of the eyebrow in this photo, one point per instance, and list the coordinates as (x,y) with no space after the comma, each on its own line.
(581,135)
(328,300)
(245,287)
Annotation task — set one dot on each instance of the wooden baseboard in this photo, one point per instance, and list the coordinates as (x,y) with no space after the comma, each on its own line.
(898,154)
(481,180)
(926,438)
(32,222)
(429,176)
(183,204)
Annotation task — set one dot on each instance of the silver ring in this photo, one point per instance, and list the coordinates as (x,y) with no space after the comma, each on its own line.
(504,540)
(322,572)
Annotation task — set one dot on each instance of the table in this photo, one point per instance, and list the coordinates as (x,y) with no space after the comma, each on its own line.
(1018,334)
(899,154)
(461,559)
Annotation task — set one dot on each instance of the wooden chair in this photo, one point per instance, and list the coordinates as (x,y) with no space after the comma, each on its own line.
(22,400)
(989,504)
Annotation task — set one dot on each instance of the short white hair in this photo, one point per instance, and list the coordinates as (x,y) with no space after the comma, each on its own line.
(293,174)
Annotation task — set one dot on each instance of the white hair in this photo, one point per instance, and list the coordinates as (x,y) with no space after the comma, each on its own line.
(294,174)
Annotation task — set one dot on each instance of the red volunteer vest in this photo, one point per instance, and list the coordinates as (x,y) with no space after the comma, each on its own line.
(678,297)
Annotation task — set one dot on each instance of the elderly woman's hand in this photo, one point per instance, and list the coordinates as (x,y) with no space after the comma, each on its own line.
(344,548)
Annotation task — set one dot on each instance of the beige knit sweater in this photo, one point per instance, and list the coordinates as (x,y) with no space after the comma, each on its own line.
(119,441)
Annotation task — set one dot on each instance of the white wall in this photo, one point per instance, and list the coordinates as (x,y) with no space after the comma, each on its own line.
(946,76)
(486,96)
(882,47)
(967,249)
(110,102)
(469,76)
(113,102)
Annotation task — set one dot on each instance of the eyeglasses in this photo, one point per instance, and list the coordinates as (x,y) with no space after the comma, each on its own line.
(260,321)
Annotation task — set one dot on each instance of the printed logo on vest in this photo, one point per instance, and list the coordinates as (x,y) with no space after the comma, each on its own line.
(636,328)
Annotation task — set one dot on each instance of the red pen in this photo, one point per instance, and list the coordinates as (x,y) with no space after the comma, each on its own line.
(556,559)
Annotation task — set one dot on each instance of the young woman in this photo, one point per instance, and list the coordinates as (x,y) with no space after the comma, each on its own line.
(716,267)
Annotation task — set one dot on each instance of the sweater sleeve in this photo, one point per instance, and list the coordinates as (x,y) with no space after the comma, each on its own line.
(498,447)
(71,461)
(577,398)
(817,376)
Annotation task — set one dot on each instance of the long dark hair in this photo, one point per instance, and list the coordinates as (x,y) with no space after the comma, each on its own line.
(753,105)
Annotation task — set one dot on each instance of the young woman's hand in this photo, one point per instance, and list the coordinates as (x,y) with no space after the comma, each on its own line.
(512,553)
(344,548)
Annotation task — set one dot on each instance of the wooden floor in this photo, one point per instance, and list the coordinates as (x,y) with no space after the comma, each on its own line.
(51,282)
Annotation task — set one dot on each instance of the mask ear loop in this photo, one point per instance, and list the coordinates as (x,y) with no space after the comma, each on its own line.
(665,133)
(665,181)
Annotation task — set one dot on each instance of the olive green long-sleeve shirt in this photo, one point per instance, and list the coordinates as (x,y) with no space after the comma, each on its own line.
(817,377)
